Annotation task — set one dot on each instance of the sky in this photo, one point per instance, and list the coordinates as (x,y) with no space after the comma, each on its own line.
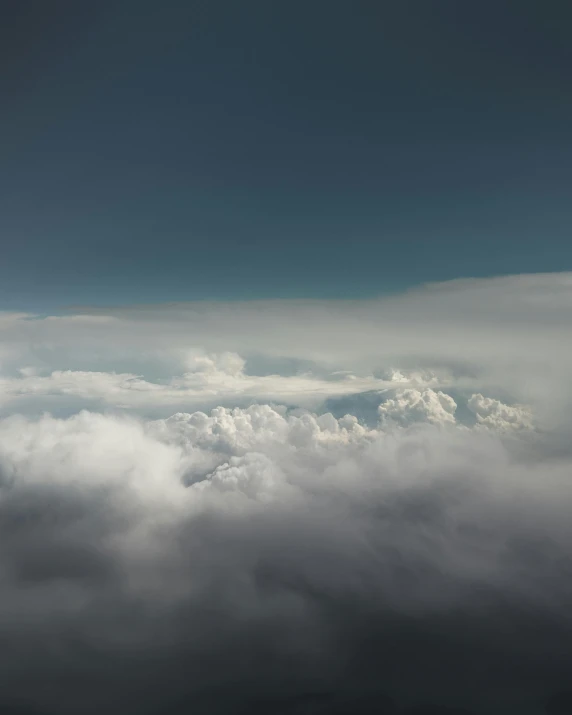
(218,150)
(285,347)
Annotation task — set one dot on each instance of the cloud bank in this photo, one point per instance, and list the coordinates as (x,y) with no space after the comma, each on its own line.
(185,527)
(501,337)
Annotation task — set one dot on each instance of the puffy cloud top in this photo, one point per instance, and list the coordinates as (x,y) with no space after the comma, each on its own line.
(494,414)
(419,406)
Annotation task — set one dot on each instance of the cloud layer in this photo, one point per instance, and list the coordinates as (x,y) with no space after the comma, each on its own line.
(501,337)
(269,555)
(184,526)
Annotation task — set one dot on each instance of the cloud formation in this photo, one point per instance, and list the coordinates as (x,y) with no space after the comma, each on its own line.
(260,554)
(505,338)
(494,414)
(183,527)
(419,406)
(210,381)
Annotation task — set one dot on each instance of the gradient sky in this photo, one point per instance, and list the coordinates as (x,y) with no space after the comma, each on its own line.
(217,502)
(229,150)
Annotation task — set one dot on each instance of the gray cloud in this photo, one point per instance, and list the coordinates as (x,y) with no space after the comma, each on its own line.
(244,559)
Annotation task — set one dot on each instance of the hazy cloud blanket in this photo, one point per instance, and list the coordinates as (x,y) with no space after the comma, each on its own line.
(226,508)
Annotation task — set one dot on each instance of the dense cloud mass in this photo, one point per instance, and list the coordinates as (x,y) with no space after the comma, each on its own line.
(257,514)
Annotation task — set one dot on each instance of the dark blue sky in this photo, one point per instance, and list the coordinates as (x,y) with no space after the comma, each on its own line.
(157,151)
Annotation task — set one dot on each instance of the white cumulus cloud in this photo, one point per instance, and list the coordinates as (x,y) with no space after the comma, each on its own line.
(494,414)
(411,405)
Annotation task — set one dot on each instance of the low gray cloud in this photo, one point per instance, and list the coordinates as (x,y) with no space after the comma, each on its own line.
(248,558)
